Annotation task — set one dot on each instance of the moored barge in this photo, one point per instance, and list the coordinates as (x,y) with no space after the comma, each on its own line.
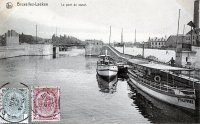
(169,84)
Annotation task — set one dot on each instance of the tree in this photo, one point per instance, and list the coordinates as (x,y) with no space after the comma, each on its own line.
(54,38)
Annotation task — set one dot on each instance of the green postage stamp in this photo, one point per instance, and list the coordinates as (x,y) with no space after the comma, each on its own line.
(14,105)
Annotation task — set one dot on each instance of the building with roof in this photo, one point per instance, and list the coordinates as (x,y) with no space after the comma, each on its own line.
(10,38)
(193,37)
(173,40)
(147,44)
(2,40)
(188,52)
(157,43)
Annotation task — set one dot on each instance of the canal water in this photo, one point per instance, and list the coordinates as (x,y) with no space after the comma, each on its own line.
(87,98)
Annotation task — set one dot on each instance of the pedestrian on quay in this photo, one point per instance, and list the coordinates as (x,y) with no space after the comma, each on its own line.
(172,62)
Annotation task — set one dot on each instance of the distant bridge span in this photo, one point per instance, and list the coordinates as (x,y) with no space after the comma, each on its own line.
(64,47)
(69,45)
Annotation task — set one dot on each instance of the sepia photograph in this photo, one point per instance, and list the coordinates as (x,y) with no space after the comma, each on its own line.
(99,61)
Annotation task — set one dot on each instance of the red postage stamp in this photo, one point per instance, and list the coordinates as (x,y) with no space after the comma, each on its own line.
(45,104)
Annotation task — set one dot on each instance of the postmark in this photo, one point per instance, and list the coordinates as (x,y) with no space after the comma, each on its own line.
(45,104)
(14,105)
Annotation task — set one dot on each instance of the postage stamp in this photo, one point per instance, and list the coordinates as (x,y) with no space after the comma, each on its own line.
(14,105)
(45,104)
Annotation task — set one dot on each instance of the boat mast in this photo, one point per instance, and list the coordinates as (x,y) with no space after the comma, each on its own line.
(183,32)
(122,36)
(135,36)
(110,36)
(122,42)
(178,26)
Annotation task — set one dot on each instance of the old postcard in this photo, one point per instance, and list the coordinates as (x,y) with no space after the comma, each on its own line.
(99,61)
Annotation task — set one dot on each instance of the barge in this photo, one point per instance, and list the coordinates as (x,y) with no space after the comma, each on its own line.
(166,83)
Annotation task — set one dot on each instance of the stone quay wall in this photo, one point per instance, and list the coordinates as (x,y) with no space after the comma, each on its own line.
(26,50)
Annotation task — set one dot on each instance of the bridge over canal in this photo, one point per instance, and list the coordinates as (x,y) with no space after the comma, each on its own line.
(66,46)
(120,57)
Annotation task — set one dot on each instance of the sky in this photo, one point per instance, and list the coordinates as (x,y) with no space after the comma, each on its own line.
(150,18)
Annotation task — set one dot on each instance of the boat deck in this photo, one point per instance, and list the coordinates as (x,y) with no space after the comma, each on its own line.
(163,86)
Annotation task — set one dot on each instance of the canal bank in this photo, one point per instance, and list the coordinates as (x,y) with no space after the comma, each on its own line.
(27,50)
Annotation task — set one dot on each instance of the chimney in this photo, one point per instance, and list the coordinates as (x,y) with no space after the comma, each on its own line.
(196,13)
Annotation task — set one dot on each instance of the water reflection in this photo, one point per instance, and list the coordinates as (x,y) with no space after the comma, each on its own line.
(91,62)
(107,85)
(159,112)
(122,76)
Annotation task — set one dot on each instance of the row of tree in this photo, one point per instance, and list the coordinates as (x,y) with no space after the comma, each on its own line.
(65,40)
(23,38)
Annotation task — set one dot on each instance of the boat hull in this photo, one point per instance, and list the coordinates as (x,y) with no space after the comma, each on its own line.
(107,71)
(179,101)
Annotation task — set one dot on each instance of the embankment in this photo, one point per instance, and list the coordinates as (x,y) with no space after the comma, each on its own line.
(26,50)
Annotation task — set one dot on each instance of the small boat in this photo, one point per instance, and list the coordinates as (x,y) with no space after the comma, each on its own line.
(106,66)
(166,83)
